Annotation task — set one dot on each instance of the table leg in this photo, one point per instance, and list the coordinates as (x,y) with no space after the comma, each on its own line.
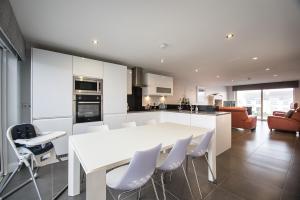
(96,185)
(73,173)
(212,158)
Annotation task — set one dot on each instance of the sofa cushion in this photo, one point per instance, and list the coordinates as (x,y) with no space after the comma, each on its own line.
(289,113)
(296,116)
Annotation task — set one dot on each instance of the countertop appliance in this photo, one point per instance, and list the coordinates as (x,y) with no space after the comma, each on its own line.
(87,100)
(86,85)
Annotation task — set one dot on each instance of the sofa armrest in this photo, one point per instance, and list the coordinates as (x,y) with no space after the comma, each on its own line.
(279,113)
(283,123)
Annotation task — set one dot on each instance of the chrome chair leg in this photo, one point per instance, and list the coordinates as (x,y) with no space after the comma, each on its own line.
(210,168)
(139,194)
(34,182)
(120,195)
(196,176)
(154,188)
(163,185)
(187,180)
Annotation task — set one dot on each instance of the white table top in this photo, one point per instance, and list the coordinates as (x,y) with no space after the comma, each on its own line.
(41,139)
(96,151)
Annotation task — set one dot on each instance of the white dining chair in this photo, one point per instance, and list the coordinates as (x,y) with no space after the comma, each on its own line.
(98,128)
(128,124)
(135,175)
(200,150)
(151,122)
(174,160)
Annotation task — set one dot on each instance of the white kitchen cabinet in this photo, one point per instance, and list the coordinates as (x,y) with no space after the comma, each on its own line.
(176,117)
(129,81)
(87,67)
(58,124)
(114,121)
(141,118)
(114,89)
(158,85)
(51,84)
(204,121)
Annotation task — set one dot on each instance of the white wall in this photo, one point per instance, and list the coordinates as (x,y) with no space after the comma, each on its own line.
(184,88)
(297,95)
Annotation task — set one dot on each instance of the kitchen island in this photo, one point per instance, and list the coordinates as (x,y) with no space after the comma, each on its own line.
(220,121)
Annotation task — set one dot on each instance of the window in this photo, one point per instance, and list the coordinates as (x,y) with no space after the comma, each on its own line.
(250,98)
(277,100)
(264,102)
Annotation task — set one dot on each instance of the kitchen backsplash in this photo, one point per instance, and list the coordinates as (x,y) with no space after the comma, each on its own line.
(153,99)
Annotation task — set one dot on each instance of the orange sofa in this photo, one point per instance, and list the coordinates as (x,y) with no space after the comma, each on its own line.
(240,117)
(285,123)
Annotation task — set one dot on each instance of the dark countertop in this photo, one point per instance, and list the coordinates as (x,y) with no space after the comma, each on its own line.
(215,113)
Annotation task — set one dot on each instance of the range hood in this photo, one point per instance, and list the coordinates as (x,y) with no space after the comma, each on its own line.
(137,77)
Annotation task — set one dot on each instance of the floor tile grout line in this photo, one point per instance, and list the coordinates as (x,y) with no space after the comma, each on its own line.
(289,169)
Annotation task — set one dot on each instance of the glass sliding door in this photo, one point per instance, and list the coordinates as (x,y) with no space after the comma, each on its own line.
(250,98)
(264,102)
(277,100)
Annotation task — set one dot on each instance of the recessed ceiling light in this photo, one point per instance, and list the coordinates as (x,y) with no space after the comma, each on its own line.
(267,69)
(255,58)
(196,70)
(229,36)
(163,45)
(162,60)
(275,75)
(95,42)
(232,80)
(218,76)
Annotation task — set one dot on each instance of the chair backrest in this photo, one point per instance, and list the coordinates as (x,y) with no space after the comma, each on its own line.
(177,155)
(98,128)
(128,124)
(202,147)
(151,122)
(22,131)
(141,168)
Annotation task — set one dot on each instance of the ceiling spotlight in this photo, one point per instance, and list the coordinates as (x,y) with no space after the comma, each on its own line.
(218,76)
(232,80)
(162,60)
(255,58)
(196,70)
(163,45)
(275,75)
(95,42)
(267,69)
(229,36)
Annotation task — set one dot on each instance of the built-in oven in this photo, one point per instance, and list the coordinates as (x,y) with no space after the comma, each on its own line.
(87,100)
(86,85)
(88,108)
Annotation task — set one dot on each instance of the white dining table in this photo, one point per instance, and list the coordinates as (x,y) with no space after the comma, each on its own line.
(99,152)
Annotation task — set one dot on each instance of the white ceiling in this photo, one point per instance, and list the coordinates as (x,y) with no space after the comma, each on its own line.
(131,32)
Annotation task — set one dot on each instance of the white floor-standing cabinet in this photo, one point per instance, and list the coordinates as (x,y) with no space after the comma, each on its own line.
(51,76)
(114,94)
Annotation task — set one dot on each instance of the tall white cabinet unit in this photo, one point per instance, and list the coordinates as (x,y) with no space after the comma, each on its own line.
(52,94)
(114,94)
(87,67)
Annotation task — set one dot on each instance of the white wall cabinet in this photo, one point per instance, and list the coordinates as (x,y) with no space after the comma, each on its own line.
(87,67)
(129,81)
(114,89)
(158,85)
(58,124)
(114,121)
(51,84)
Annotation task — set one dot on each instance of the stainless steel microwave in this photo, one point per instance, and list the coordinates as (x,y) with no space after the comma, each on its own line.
(86,85)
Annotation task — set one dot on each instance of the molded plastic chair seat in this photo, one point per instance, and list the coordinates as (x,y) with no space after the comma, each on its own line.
(98,128)
(128,124)
(136,174)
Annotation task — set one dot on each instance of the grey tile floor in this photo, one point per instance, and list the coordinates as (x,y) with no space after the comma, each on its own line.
(259,166)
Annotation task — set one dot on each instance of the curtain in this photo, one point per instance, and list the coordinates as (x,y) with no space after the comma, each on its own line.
(10,105)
